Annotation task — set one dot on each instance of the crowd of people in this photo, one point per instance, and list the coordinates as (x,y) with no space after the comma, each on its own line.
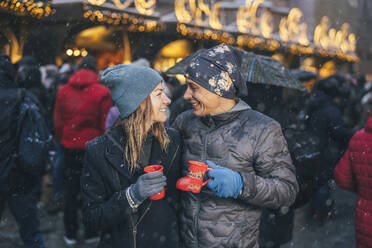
(269,150)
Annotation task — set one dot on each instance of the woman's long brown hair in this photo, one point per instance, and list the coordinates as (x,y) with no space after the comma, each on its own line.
(137,126)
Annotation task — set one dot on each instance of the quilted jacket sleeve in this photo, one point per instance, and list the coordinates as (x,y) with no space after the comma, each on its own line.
(274,183)
(343,173)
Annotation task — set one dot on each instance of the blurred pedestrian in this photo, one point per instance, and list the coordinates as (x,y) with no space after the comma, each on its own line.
(325,122)
(17,188)
(114,187)
(29,77)
(354,173)
(112,117)
(79,116)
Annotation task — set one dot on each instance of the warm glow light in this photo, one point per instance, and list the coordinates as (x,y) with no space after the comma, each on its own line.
(145,7)
(171,54)
(76,52)
(122,4)
(69,52)
(97,2)
(290,28)
(182,14)
(84,53)
(246,17)
(37,10)
(331,39)
(328,69)
(214,22)
(266,24)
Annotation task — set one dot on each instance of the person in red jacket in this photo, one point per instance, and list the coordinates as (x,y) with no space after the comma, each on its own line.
(79,116)
(354,172)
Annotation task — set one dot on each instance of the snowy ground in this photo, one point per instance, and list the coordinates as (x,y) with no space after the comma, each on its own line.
(307,233)
(338,232)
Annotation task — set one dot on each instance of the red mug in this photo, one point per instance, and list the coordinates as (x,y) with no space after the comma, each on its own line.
(155,168)
(194,180)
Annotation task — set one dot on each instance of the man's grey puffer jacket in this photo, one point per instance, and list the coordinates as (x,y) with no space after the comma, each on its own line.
(250,143)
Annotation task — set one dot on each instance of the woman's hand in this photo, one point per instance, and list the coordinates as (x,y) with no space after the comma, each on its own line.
(147,185)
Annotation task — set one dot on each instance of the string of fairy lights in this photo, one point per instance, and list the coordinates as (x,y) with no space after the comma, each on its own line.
(255,30)
(36,9)
(134,23)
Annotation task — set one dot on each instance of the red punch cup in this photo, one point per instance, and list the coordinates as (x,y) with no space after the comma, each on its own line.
(155,168)
(194,180)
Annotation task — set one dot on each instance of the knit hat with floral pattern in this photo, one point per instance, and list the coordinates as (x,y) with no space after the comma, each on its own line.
(217,70)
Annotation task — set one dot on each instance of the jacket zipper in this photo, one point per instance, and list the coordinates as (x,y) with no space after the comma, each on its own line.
(174,156)
(134,232)
(134,226)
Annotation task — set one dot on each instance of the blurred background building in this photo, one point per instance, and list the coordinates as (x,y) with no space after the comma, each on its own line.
(318,35)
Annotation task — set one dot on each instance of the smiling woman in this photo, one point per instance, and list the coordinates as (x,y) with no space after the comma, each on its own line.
(116,191)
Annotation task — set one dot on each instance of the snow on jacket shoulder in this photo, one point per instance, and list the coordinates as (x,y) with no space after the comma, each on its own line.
(354,172)
(80,110)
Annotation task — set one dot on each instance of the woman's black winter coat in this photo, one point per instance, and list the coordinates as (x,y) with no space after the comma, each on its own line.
(105,207)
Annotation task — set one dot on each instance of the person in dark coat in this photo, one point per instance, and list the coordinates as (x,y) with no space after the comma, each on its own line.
(325,122)
(354,173)
(79,116)
(17,189)
(115,188)
(252,168)
(29,77)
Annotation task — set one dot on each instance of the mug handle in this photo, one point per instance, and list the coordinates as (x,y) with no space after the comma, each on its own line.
(205,183)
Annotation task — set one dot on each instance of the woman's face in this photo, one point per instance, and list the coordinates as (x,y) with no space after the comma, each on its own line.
(159,102)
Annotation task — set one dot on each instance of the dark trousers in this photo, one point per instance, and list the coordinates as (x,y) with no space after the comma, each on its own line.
(57,173)
(320,198)
(22,205)
(73,166)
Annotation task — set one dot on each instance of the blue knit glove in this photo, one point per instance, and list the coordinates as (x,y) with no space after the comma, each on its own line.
(225,182)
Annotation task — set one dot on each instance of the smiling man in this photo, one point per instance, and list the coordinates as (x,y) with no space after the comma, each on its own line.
(252,168)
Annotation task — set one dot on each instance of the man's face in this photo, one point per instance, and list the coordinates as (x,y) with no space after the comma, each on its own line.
(202,100)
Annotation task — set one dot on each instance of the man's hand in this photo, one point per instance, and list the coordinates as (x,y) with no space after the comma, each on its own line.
(147,185)
(225,182)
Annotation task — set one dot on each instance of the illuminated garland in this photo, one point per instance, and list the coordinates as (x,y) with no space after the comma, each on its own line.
(257,42)
(114,18)
(255,29)
(144,7)
(27,7)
